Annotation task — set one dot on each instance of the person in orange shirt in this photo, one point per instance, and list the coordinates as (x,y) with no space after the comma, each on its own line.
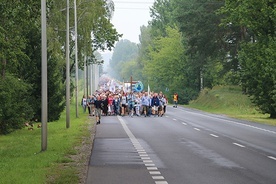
(175,99)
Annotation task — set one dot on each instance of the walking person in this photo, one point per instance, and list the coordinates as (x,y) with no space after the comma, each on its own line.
(145,101)
(116,105)
(98,109)
(123,103)
(155,104)
(137,104)
(84,103)
(165,104)
(175,99)
(130,101)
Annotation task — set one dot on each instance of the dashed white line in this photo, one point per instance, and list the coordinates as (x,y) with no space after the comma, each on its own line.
(271,157)
(143,155)
(145,158)
(174,119)
(184,123)
(214,135)
(242,146)
(161,182)
(152,168)
(154,172)
(157,177)
(197,129)
(147,161)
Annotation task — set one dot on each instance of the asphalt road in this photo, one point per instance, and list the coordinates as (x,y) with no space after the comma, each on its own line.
(183,147)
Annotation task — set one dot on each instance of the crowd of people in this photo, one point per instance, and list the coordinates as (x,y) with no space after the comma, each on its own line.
(107,103)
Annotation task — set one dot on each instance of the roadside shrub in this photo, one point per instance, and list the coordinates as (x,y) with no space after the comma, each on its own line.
(15,108)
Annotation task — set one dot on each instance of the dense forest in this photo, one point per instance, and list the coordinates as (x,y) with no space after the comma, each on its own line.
(189,45)
(20,54)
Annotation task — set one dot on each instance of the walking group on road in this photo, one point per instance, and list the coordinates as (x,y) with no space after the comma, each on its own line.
(107,103)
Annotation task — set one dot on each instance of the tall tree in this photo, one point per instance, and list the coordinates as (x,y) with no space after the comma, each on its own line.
(124,52)
(257,57)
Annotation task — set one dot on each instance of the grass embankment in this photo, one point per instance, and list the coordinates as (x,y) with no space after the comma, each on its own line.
(22,162)
(230,101)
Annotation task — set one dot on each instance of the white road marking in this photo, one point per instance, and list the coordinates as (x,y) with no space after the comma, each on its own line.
(184,123)
(231,121)
(214,135)
(152,168)
(161,182)
(157,177)
(154,172)
(271,157)
(197,129)
(147,161)
(143,155)
(242,146)
(174,119)
(145,158)
(142,152)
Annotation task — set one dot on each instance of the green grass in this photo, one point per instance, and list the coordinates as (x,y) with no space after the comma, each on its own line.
(229,100)
(21,160)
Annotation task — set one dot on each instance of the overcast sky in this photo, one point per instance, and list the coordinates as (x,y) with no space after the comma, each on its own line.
(129,16)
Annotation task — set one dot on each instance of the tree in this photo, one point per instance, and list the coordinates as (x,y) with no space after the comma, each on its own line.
(166,68)
(257,54)
(258,74)
(124,52)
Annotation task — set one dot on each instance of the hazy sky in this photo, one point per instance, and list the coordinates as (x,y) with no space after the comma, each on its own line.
(129,16)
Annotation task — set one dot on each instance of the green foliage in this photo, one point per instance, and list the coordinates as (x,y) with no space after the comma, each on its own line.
(230,101)
(257,20)
(15,108)
(124,52)
(258,74)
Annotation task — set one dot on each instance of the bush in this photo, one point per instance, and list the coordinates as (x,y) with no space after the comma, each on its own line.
(15,108)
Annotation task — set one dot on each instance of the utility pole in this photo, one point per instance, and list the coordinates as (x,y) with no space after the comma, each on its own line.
(76,57)
(67,69)
(44,87)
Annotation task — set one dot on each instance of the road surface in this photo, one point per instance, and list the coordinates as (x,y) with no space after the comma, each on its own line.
(183,147)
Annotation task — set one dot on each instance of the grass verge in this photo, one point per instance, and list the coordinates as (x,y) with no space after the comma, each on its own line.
(22,161)
(229,101)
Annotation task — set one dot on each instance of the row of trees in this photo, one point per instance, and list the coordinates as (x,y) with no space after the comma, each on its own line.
(20,54)
(192,44)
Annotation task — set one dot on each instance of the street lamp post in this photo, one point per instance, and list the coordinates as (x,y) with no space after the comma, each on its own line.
(76,57)
(67,70)
(44,87)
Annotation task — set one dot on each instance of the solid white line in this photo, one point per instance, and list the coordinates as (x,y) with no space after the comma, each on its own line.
(271,157)
(214,135)
(197,129)
(242,146)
